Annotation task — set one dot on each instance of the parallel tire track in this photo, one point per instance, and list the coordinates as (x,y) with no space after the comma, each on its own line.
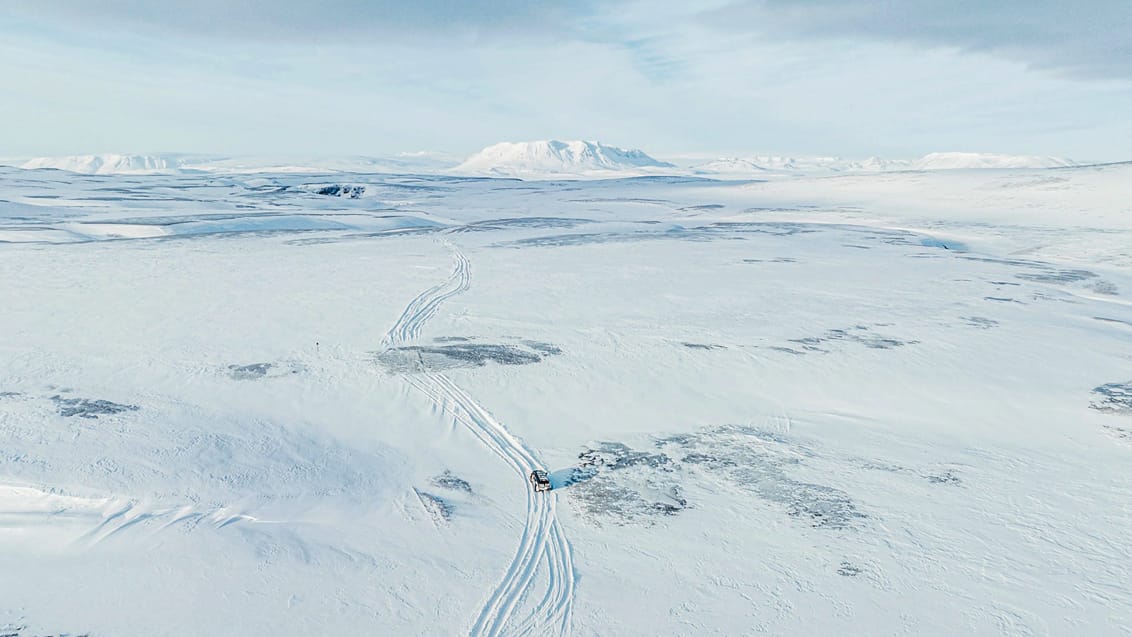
(425,305)
(543,540)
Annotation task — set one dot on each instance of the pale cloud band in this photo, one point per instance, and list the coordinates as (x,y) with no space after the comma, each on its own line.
(869,77)
(318,21)
(1086,38)
(1090,38)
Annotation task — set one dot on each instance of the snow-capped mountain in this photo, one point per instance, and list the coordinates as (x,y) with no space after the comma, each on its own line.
(108,164)
(954,161)
(553,157)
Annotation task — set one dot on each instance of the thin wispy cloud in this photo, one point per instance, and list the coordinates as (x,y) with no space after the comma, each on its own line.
(1088,39)
(873,77)
(357,21)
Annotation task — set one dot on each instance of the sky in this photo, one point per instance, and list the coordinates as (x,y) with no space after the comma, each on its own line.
(888,78)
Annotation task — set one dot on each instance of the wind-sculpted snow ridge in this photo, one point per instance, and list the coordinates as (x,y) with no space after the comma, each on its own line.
(68,520)
(543,542)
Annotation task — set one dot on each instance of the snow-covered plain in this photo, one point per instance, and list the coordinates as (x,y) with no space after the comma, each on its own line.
(296,404)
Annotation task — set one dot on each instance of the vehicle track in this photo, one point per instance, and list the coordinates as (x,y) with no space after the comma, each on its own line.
(543,541)
(425,305)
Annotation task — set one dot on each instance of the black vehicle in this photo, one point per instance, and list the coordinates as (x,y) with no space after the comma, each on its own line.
(540,480)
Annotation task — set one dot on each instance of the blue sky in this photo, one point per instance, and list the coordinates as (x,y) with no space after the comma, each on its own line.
(894,78)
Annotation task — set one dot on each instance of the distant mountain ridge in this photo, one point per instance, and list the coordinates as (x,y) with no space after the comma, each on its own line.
(119,164)
(536,159)
(954,161)
(752,166)
(108,164)
(557,157)
(781,164)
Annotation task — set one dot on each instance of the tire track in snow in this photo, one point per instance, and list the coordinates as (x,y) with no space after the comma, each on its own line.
(548,541)
(425,305)
(543,540)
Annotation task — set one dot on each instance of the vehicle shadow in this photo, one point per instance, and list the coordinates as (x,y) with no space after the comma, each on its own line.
(570,476)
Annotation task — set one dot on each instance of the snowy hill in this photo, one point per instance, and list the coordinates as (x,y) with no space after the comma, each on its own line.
(757,165)
(117,164)
(555,157)
(733,165)
(108,164)
(416,162)
(879,164)
(955,161)
(780,164)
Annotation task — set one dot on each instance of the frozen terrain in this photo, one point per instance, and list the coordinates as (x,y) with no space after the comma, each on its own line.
(887,403)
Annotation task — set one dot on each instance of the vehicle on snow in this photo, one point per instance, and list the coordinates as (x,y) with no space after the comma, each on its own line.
(540,480)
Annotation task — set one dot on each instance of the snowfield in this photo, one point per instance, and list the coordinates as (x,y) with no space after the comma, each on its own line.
(890,403)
